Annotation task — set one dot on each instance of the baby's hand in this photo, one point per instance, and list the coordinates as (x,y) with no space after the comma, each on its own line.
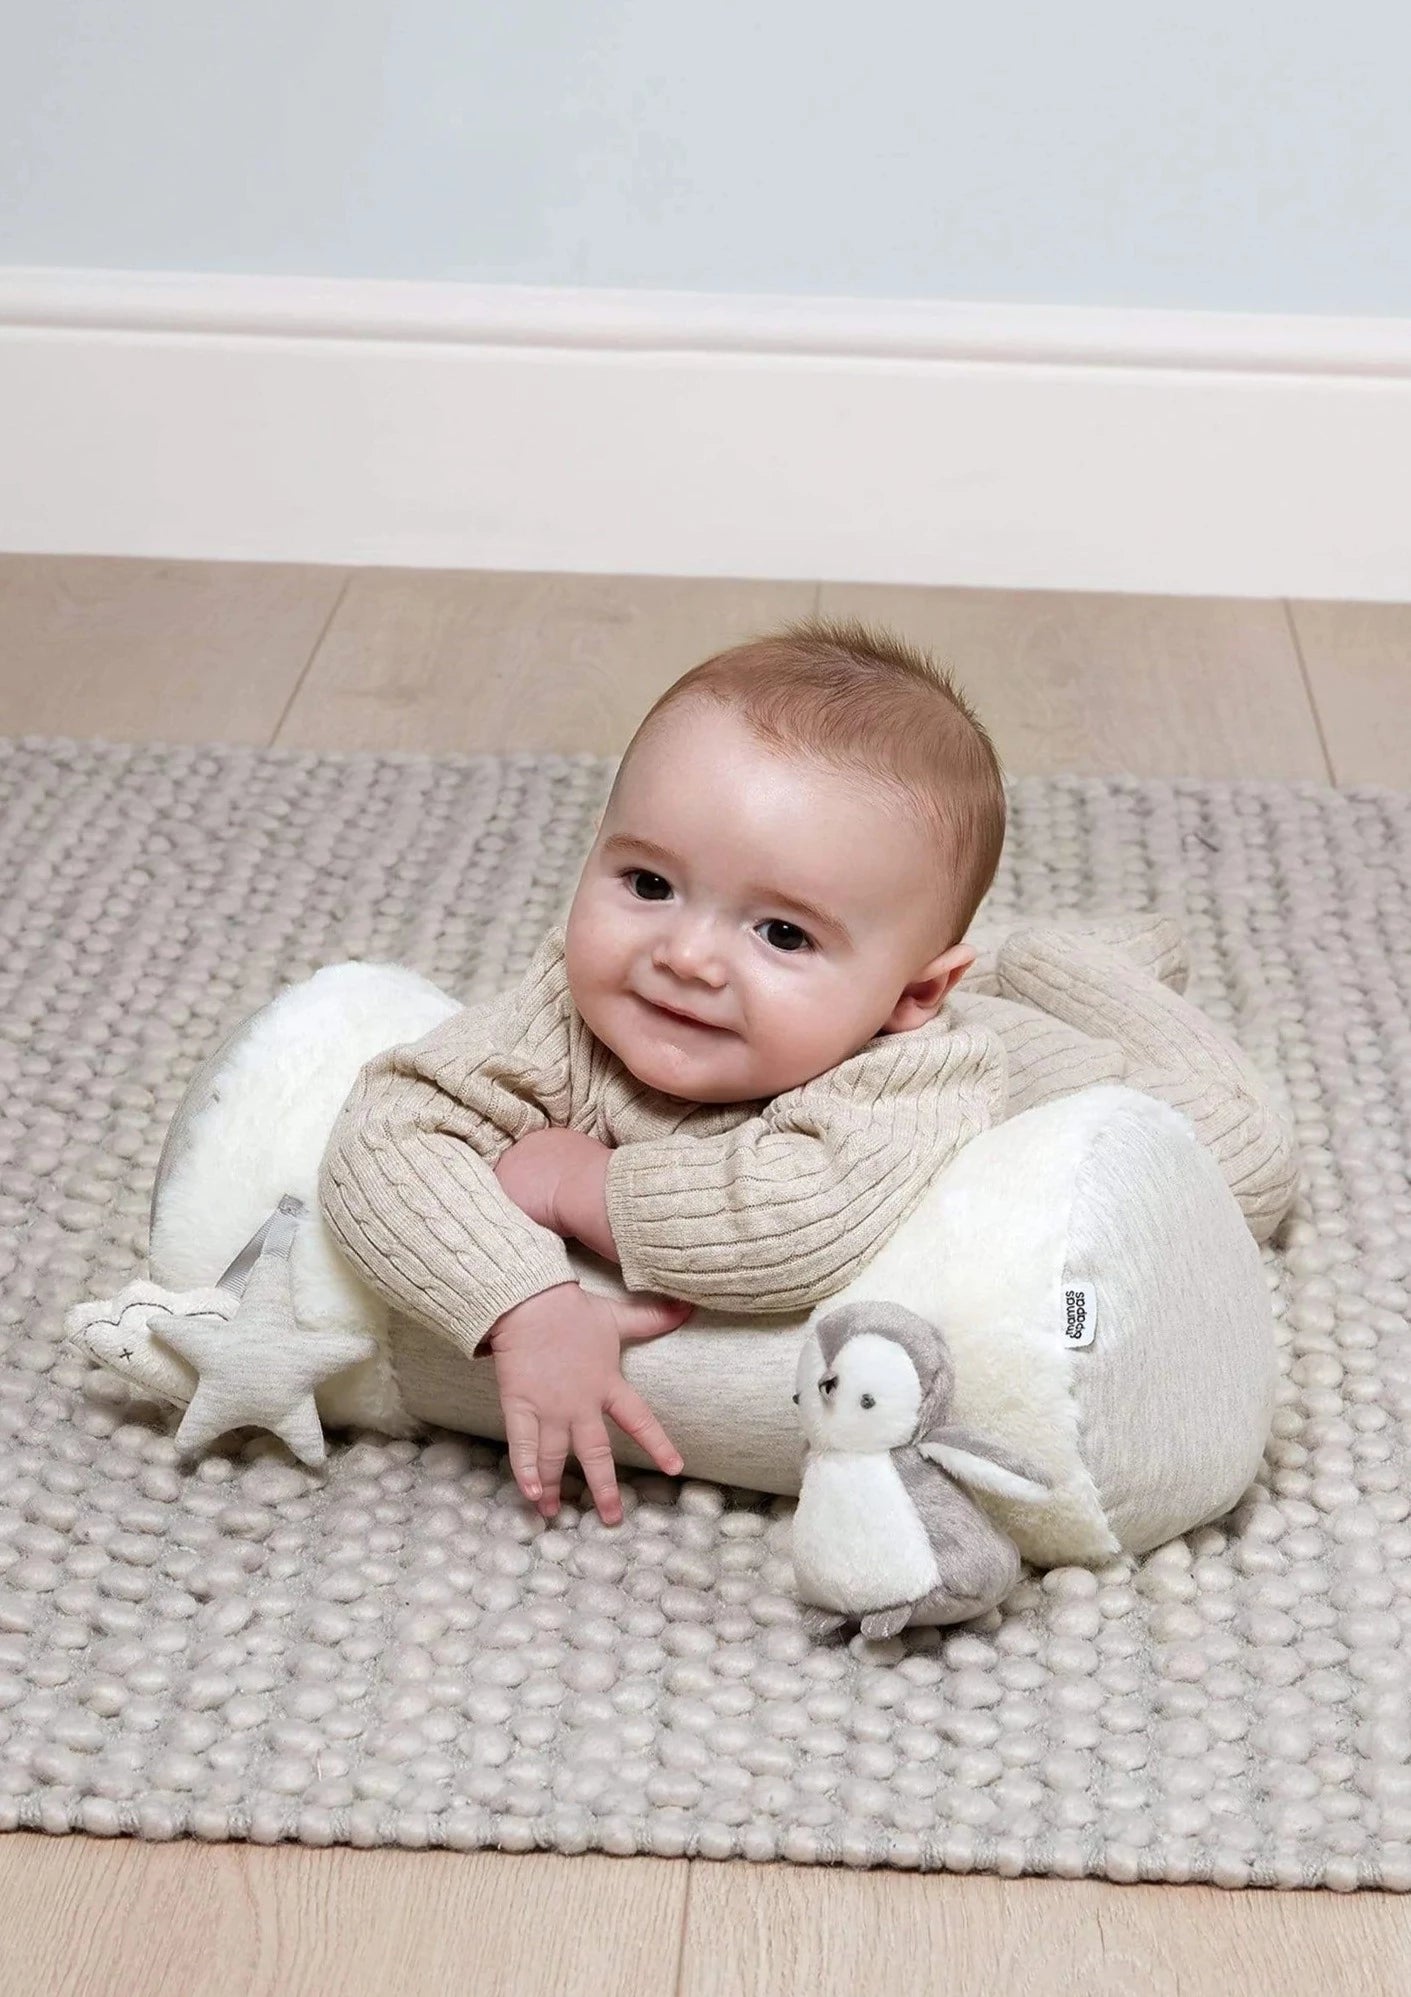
(557,1177)
(557,1366)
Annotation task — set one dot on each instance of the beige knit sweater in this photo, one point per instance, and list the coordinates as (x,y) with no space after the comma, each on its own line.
(769,1205)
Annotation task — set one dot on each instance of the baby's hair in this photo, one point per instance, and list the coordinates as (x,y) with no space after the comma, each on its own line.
(867,704)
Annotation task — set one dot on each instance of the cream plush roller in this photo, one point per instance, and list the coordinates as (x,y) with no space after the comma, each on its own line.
(1099,1285)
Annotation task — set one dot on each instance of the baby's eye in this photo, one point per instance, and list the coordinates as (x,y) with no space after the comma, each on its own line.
(786,949)
(868,1402)
(789,950)
(641,874)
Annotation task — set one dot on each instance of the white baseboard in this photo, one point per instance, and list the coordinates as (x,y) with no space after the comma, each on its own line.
(674,433)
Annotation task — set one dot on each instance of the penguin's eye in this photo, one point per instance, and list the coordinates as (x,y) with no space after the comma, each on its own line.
(868,1402)
(795,1399)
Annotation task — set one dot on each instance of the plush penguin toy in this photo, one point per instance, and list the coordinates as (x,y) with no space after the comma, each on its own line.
(884,1535)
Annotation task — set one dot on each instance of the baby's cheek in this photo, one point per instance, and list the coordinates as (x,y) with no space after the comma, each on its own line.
(773,1067)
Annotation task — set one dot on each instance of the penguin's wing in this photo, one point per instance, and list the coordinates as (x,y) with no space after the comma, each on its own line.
(983,1463)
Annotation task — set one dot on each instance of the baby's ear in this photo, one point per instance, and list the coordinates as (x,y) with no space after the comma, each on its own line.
(948,967)
(965,955)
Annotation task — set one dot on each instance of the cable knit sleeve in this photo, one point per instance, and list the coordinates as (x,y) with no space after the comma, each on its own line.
(407,1184)
(780,1212)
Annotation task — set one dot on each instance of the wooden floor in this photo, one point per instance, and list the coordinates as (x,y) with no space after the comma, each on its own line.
(315,658)
(374,659)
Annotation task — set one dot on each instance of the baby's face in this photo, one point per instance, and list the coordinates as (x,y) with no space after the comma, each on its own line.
(776,994)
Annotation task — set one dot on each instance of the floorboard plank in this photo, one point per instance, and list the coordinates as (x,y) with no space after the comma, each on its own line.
(441,661)
(110,1917)
(755,1930)
(1105,684)
(1358,660)
(129,651)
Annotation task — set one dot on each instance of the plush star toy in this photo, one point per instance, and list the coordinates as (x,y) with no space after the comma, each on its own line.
(114,1331)
(254,1365)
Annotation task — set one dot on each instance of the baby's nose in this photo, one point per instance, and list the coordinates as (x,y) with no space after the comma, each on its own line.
(693,947)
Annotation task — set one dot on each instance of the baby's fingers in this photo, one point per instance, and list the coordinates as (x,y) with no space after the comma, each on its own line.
(522,1439)
(594,1453)
(553,1450)
(636,1419)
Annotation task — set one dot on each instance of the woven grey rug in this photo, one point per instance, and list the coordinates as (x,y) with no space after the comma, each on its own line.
(402,1652)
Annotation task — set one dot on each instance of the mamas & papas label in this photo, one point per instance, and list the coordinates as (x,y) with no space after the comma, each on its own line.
(1078,1315)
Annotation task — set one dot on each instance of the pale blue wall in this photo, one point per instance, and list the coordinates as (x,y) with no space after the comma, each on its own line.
(1238,154)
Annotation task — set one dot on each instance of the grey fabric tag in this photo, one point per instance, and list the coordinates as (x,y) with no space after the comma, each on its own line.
(276,1234)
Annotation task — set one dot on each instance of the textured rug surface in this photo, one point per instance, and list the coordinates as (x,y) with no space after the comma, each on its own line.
(402,1651)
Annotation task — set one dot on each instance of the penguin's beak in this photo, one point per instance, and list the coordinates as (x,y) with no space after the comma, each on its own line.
(826,1386)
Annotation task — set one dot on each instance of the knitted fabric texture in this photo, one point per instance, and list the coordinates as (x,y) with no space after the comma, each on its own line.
(729,1205)
(398,1650)
(750,1209)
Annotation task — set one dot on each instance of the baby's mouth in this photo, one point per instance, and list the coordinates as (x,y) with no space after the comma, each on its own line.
(685,1018)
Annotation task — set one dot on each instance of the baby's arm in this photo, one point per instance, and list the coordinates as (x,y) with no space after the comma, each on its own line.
(1169,1049)
(409,1186)
(407,1183)
(779,1213)
(558,1178)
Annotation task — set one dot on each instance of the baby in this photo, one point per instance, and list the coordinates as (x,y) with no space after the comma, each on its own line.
(732,1069)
